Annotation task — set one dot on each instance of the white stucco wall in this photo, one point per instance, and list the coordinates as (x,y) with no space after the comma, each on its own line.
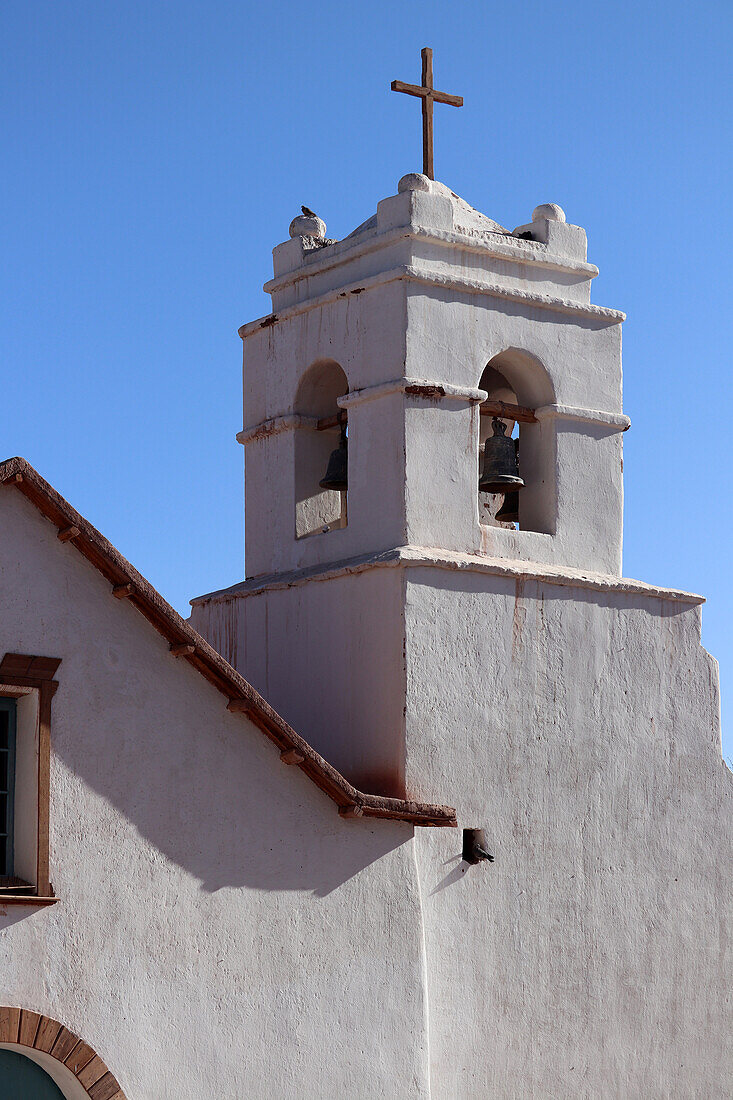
(220,930)
(577,723)
(431,290)
(580,730)
(570,714)
(329,656)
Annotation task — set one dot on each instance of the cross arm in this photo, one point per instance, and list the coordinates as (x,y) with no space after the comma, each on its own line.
(423,93)
(409,89)
(451,100)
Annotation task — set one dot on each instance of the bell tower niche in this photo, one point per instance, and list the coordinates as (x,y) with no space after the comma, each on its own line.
(402,373)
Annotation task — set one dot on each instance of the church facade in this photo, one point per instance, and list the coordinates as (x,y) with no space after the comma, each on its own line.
(432,804)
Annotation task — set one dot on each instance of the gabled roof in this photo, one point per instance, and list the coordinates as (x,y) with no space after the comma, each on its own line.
(187,644)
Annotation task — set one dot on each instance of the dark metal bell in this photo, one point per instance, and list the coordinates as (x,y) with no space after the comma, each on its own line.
(336,476)
(509,511)
(501,469)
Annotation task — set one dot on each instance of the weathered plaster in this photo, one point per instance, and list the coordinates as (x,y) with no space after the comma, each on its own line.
(581,731)
(569,712)
(220,931)
(218,923)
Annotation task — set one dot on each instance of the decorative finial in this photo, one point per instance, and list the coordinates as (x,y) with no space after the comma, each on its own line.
(413,181)
(550,211)
(428,94)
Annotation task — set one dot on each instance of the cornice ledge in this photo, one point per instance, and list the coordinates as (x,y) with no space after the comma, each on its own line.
(549,574)
(585,416)
(499,247)
(429,278)
(290,577)
(513,294)
(495,246)
(414,556)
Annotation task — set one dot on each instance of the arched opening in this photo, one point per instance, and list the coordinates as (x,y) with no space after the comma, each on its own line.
(49,1061)
(22,1077)
(515,377)
(319,510)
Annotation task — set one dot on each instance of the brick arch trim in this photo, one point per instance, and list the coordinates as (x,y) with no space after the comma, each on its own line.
(31,1029)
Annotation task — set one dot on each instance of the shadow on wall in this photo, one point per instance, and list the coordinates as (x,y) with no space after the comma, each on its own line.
(172,772)
(208,790)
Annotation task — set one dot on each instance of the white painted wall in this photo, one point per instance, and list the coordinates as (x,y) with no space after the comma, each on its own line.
(580,730)
(331,653)
(220,930)
(570,714)
(576,721)
(431,290)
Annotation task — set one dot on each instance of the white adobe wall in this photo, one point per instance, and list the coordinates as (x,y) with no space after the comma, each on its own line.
(580,730)
(574,719)
(577,723)
(333,658)
(430,290)
(573,364)
(220,932)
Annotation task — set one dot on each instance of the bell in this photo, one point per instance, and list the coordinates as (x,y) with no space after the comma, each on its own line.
(509,511)
(501,469)
(336,476)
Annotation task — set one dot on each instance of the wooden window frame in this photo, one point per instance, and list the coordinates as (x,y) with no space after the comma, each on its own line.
(23,671)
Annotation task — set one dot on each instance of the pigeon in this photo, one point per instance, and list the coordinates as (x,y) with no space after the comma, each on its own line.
(308,213)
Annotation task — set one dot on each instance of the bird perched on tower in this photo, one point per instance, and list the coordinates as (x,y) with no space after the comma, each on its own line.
(308,213)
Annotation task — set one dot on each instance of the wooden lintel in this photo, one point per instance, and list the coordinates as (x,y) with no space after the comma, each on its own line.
(331,421)
(351,811)
(239,706)
(291,756)
(68,533)
(183,650)
(506,411)
(121,591)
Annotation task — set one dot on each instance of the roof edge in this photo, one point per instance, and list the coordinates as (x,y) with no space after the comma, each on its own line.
(189,645)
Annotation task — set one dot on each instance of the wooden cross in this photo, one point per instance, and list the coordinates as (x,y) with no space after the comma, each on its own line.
(428,94)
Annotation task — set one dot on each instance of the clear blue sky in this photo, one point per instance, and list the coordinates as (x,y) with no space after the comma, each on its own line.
(155,152)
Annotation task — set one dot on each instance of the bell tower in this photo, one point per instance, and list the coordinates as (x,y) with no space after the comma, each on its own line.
(415,343)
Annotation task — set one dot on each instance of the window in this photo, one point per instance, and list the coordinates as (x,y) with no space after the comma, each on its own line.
(7,786)
(27,688)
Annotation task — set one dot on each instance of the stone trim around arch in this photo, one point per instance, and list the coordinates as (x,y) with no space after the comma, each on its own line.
(31,1029)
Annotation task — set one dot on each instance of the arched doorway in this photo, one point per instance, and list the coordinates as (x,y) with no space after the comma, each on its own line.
(19,1076)
(67,1064)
